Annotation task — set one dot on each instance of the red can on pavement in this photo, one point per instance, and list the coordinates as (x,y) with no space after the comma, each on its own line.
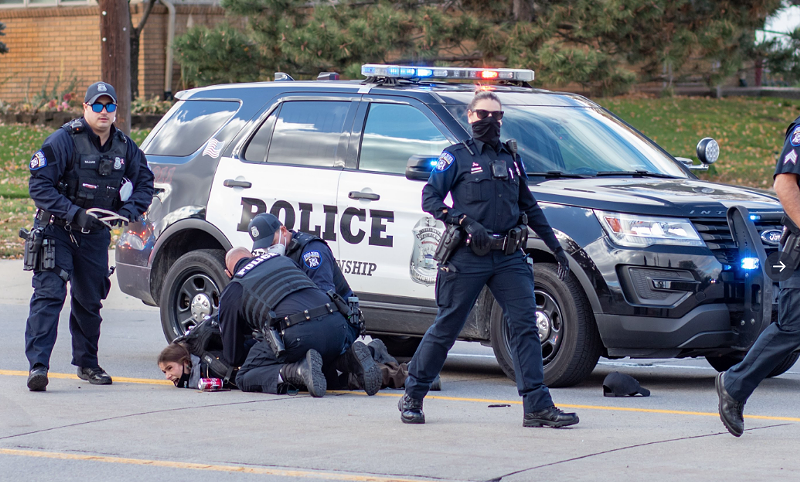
(210,384)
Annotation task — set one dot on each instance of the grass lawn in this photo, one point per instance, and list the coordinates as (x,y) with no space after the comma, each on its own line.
(750,131)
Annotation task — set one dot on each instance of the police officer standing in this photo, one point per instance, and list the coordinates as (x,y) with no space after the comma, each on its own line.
(780,339)
(491,200)
(314,257)
(87,164)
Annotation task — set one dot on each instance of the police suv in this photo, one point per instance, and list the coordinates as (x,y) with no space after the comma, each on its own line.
(662,264)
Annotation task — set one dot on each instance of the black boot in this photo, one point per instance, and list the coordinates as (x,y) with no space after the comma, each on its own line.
(550,417)
(37,378)
(410,410)
(95,376)
(306,373)
(358,361)
(731,411)
(379,352)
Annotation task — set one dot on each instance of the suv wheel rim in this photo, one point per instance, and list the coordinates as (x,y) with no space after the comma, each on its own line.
(197,297)
(549,321)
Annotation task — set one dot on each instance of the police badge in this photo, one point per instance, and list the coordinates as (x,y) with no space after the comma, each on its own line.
(427,233)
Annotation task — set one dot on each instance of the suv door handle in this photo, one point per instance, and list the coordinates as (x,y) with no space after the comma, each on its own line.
(364,195)
(235,183)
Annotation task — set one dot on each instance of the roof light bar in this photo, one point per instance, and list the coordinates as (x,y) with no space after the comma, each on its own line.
(463,73)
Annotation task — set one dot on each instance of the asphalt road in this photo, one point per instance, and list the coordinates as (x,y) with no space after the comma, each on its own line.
(142,428)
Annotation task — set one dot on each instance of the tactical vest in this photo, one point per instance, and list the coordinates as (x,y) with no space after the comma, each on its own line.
(92,178)
(266,280)
(295,252)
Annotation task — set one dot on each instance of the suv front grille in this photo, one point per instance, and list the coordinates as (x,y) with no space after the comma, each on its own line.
(717,235)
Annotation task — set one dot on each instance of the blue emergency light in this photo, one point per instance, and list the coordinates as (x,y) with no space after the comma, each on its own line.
(750,264)
(458,73)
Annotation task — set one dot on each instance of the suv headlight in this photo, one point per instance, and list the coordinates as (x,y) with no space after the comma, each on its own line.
(633,230)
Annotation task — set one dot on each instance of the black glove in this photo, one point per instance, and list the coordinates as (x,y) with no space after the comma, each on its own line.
(127,214)
(86,221)
(479,237)
(563,264)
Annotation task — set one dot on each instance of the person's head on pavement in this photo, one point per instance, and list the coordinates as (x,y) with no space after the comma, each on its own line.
(175,362)
(269,234)
(618,384)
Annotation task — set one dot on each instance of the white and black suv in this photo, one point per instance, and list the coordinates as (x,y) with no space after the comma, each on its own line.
(663,264)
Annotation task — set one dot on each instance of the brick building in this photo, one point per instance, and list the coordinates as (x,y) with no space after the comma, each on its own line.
(52,39)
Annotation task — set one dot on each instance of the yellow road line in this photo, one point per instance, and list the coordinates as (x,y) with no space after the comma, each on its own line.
(67,376)
(150,381)
(215,468)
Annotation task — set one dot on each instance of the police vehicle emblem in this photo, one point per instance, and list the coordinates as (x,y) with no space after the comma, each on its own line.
(38,161)
(101,87)
(312,259)
(427,234)
(796,136)
(118,163)
(790,157)
(445,161)
(771,237)
(254,232)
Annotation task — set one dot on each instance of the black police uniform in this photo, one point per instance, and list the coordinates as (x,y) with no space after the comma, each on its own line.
(313,255)
(73,171)
(271,282)
(465,171)
(782,338)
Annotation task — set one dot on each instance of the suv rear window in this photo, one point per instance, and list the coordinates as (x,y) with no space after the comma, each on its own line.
(190,126)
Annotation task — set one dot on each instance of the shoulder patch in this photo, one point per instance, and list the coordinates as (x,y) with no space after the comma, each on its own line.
(445,161)
(795,138)
(790,157)
(38,161)
(312,259)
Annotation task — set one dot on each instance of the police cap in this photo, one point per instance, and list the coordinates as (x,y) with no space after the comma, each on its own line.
(262,229)
(99,89)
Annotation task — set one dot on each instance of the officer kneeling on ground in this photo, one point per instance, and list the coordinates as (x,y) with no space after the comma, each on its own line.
(313,255)
(85,170)
(491,207)
(299,329)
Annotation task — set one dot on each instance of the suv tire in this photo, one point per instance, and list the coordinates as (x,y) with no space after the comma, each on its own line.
(192,289)
(571,346)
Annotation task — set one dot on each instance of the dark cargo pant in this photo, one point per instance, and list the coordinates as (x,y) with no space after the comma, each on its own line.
(458,284)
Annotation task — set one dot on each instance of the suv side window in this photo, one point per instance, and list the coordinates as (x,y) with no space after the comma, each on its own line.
(308,133)
(257,147)
(190,126)
(395,132)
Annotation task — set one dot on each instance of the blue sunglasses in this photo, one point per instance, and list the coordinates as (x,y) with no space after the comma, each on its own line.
(98,107)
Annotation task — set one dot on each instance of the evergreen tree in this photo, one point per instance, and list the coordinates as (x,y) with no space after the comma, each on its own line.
(603,44)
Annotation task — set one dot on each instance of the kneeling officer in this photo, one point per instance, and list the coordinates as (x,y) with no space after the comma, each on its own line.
(298,327)
(86,165)
(492,206)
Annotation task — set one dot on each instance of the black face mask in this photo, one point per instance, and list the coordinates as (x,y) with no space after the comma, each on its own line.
(183,382)
(487,130)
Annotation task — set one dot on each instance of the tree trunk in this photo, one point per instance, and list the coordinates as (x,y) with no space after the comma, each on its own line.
(759,69)
(523,11)
(135,36)
(115,51)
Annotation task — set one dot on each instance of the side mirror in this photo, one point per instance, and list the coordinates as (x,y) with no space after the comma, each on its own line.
(707,150)
(418,168)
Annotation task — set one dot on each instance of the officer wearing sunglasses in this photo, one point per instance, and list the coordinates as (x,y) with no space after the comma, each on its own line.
(87,164)
(493,207)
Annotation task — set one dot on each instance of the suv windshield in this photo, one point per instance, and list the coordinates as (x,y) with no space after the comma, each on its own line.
(580,141)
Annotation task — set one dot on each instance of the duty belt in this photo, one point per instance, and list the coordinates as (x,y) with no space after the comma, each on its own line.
(306,315)
(498,243)
(50,218)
